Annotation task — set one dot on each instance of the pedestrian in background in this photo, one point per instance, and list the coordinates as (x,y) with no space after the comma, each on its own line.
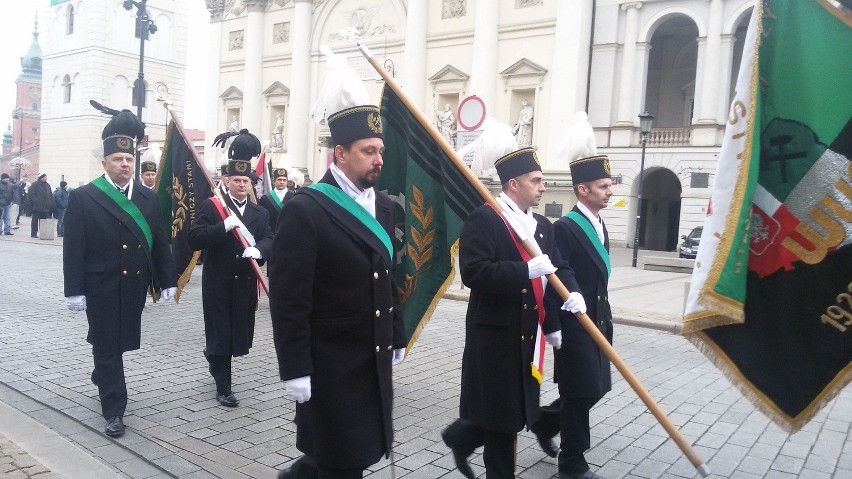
(41,202)
(60,197)
(18,200)
(115,247)
(7,194)
(229,286)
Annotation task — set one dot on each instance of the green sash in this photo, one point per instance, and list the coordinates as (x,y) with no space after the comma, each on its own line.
(359,212)
(275,198)
(128,206)
(587,228)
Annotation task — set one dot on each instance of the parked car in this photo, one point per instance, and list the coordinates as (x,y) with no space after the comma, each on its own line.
(689,246)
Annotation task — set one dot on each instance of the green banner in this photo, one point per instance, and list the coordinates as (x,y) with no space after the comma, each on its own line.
(433,199)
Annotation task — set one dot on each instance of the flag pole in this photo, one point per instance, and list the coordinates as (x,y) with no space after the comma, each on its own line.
(261,278)
(553,280)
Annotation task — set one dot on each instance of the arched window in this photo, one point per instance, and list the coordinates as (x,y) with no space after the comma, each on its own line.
(69,23)
(66,89)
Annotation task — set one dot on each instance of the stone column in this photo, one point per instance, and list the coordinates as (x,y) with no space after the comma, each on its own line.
(627,111)
(212,125)
(414,59)
(725,71)
(299,130)
(569,74)
(707,106)
(253,71)
(483,78)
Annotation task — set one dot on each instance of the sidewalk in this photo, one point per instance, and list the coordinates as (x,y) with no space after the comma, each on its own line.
(176,428)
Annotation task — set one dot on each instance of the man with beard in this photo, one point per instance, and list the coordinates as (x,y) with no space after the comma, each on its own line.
(334,307)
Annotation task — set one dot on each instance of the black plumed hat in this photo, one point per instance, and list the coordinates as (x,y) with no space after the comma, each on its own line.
(122,131)
(244,146)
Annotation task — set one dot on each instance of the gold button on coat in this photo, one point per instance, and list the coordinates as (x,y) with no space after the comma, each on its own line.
(377,349)
(524,291)
(525,306)
(124,273)
(378,313)
(390,347)
(124,246)
(375,275)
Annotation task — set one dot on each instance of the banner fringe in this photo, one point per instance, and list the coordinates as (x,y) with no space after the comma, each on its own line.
(760,401)
(454,250)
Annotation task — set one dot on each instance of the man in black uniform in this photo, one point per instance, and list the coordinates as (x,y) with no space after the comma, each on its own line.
(228,282)
(334,306)
(277,196)
(148,174)
(115,247)
(505,318)
(582,368)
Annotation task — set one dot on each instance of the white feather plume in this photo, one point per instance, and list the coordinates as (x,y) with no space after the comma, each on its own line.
(152,154)
(296,176)
(496,141)
(342,88)
(579,141)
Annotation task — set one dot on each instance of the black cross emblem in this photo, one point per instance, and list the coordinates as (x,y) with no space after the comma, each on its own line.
(779,142)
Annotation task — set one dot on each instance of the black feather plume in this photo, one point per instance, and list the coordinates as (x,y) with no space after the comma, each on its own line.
(103,109)
(244,147)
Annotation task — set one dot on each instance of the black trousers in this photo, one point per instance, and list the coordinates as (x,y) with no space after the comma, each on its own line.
(572,423)
(499,453)
(108,376)
(306,468)
(37,215)
(220,369)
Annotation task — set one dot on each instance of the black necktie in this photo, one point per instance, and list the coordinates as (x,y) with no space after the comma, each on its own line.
(122,190)
(239,203)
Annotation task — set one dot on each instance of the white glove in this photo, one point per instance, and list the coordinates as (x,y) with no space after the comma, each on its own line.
(398,356)
(76,303)
(168,294)
(540,266)
(251,252)
(231,222)
(554,339)
(575,303)
(298,389)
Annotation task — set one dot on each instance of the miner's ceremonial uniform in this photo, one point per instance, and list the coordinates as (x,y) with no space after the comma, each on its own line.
(335,315)
(115,246)
(275,199)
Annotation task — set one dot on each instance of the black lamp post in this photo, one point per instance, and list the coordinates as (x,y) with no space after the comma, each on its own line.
(144,26)
(645,121)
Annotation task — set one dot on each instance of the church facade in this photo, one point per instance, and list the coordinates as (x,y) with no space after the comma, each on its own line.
(91,52)
(534,63)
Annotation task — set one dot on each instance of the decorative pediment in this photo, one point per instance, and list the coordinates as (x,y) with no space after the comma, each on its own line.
(232,92)
(524,67)
(277,88)
(523,74)
(449,74)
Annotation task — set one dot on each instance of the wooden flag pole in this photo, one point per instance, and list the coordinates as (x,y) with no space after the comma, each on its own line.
(261,278)
(552,279)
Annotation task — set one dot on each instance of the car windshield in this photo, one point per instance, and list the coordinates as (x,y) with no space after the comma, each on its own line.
(696,233)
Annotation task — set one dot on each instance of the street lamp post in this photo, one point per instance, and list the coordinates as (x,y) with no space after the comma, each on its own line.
(645,121)
(144,25)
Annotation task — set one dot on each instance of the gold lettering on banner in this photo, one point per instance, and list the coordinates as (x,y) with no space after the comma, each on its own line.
(834,314)
(738,109)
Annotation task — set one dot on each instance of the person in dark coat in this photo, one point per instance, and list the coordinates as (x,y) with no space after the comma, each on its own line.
(582,368)
(7,194)
(60,198)
(229,285)
(506,321)
(334,307)
(115,246)
(41,202)
(277,196)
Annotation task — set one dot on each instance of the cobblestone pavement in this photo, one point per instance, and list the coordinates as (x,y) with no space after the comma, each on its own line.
(176,428)
(15,463)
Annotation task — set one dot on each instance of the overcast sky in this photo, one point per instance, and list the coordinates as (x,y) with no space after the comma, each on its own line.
(16,23)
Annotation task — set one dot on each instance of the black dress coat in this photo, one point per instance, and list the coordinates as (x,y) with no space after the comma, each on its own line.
(228,282)
(582,368)
(272,207)
(334,318)
(106,258)
(498,391)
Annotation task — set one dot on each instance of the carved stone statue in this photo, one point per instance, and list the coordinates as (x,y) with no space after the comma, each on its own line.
(447,125)
(278,132)
(523,128)
(235,124)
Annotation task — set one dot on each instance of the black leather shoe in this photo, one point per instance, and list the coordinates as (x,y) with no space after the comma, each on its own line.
(227,400)
(548,445)
(114,427)
(585,475)
(460,458)
(8,233)
(94,378)
(286,473)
